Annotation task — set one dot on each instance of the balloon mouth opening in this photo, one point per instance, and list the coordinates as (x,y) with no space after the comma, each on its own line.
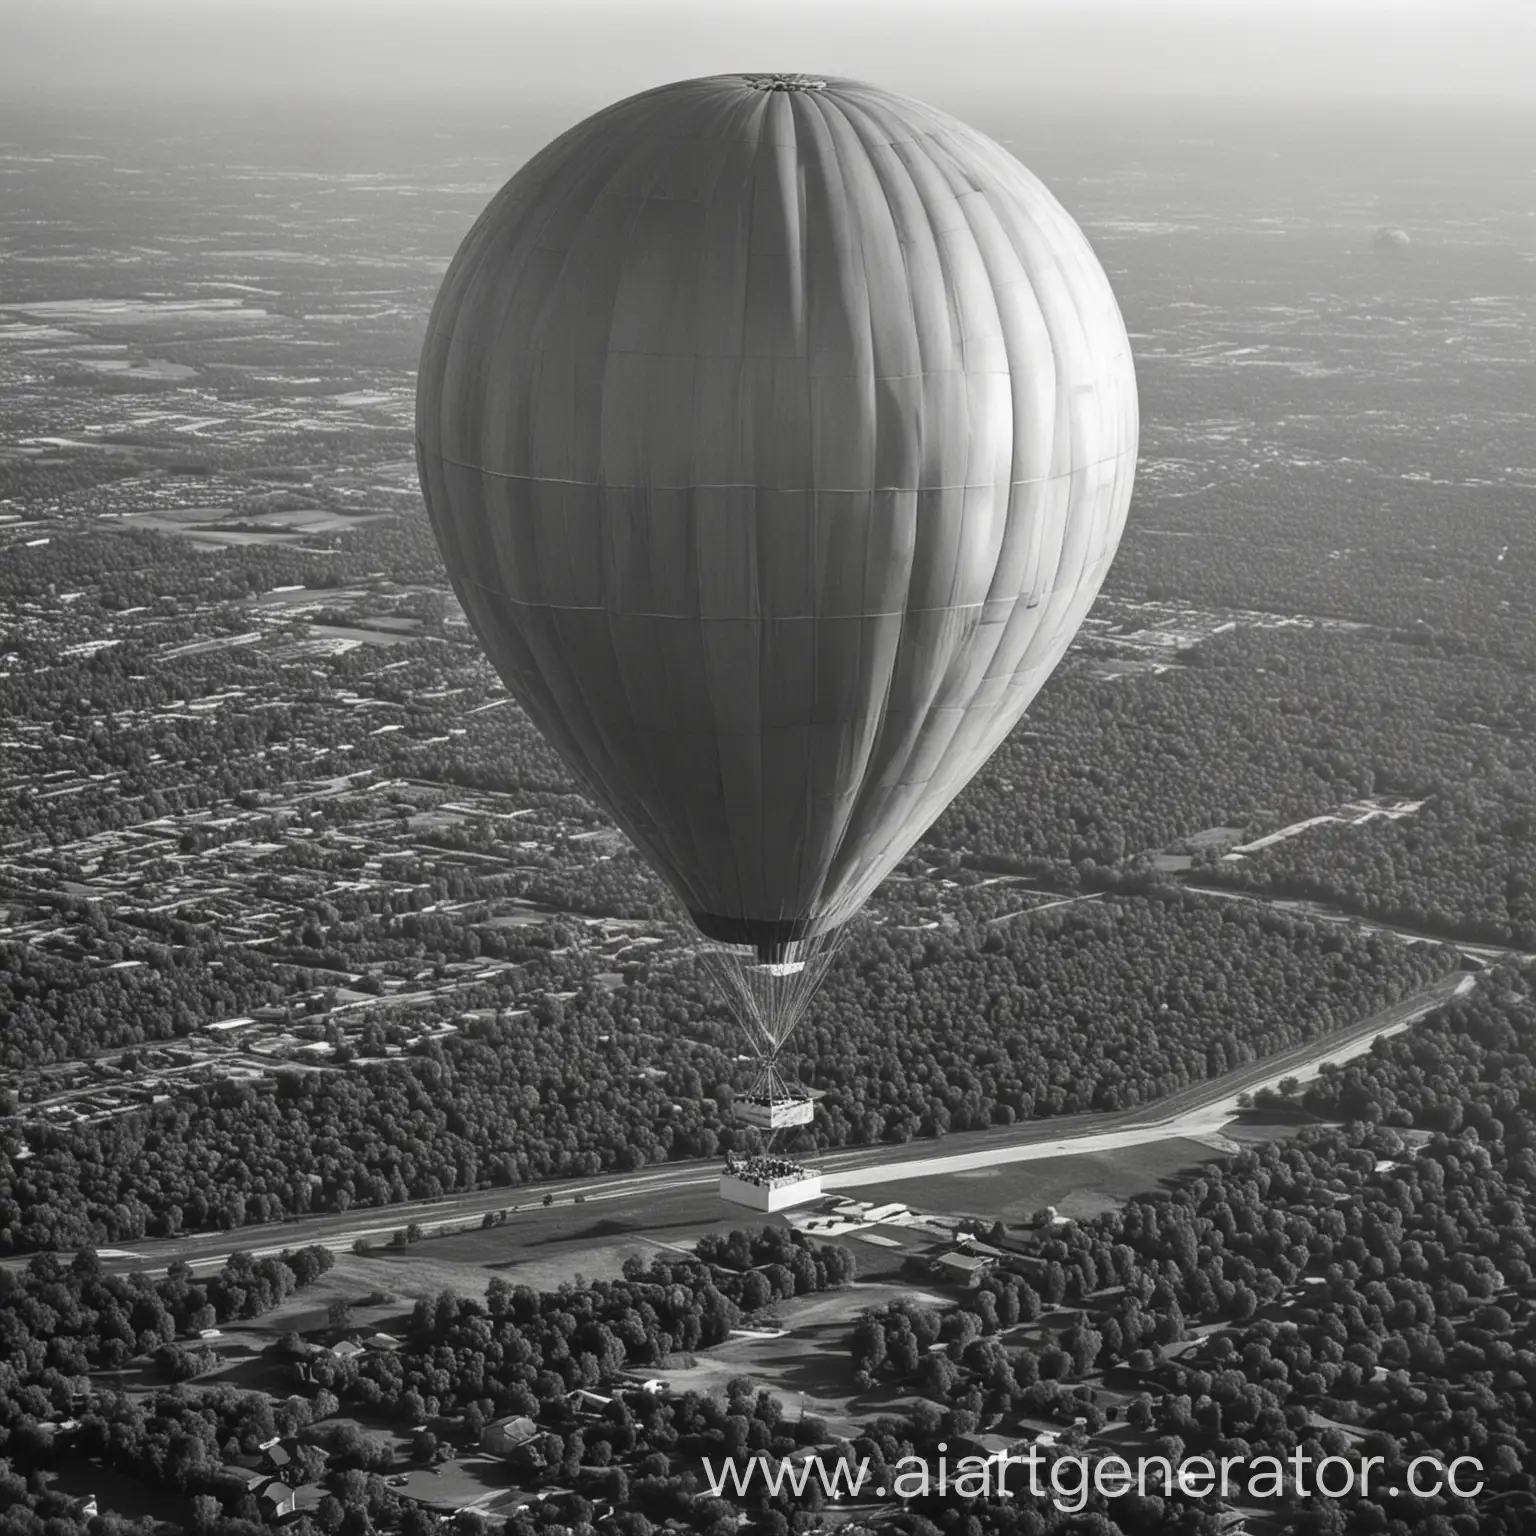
(774,939)
(785,82)
(769,997)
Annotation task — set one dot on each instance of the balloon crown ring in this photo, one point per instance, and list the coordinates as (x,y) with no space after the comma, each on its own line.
(785,82)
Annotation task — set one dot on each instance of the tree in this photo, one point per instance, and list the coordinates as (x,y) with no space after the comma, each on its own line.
(206,1512)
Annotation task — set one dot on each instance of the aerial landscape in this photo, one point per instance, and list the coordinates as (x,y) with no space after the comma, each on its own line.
(406,1126)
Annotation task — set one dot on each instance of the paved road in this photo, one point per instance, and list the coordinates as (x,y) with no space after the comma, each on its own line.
(636,1195)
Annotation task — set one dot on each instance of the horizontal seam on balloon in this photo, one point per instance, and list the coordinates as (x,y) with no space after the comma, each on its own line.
(712,732)
(777,357)
(751,618)
(758,139)
(795,357)
(783,490)
(765,618)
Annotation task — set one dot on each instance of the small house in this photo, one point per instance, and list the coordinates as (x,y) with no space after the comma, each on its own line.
(990,1446)
(276,1457)
(507,1435)
(962,1268)
(275,1501)
(244,1479)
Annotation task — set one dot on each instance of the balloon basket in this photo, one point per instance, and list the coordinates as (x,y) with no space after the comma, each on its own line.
(769,1183)
(773,1114)
(772,1103)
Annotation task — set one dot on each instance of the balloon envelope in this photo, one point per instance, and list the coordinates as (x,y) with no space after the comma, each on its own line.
(777,434)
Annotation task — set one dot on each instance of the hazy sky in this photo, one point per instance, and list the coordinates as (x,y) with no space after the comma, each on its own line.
(586,52)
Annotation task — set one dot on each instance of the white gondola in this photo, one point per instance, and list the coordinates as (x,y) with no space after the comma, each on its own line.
(769,1114)
(776,970)
(772,1104)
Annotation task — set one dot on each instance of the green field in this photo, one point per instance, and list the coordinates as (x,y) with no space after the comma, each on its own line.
(809,1368)
(546,1246)
(118,1493)
(1079,1185)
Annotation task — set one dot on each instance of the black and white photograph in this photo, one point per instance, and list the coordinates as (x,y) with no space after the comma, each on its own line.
(767,768)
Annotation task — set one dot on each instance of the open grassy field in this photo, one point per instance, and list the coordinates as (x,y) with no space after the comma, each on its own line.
(1079,1185)
(1255,1126)
(809,1367)
(119,1493)
(545,1246)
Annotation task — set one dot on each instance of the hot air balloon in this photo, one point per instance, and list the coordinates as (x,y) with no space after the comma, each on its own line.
(777,433)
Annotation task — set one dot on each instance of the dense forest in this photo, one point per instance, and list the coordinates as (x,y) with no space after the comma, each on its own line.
(917,1032)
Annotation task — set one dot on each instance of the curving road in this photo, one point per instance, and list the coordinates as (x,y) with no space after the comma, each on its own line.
(685,1190)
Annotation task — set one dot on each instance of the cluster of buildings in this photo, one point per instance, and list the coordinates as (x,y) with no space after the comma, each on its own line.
(277,1479)
(247,875)
(349,1347)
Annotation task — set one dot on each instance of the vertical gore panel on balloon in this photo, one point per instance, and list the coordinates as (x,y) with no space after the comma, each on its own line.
(725,543)
(787,679)
(720,303)
(842,432)
(789,825)
(563,426)
(507,547)
(654,308)
(665,556)
(839,670)
(645,429)
(733,664)
(785,531)
(891,549)
(842,529)
(471,527)
(935,561)
(722,435)
(579,313)
(740,760)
